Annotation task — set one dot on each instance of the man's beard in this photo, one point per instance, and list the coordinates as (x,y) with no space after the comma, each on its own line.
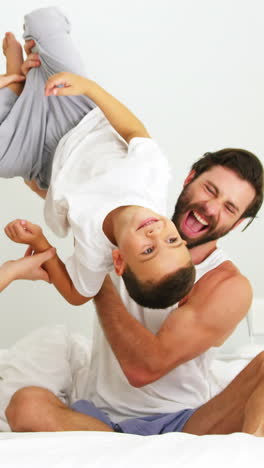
(184,205)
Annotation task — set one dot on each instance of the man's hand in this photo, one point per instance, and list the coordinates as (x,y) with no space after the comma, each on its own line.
(24,232)
(66,84)
(6,80)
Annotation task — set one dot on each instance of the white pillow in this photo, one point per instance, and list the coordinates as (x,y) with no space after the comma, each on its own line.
(42,358)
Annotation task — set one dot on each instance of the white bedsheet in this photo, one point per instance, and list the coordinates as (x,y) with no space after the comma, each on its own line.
(59,360)
(112,450)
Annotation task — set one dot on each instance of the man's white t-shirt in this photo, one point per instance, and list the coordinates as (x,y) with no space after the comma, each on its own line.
(94,172)
(187,386)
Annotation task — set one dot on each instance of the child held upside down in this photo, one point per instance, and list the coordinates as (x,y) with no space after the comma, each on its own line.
(109,181)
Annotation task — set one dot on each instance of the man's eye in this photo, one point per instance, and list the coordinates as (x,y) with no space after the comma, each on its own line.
(230,209)
(148,251)
(209,189)
(172,240)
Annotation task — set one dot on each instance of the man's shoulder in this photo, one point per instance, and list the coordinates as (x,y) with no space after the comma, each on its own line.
(221,299)
(225,282)
(225,271)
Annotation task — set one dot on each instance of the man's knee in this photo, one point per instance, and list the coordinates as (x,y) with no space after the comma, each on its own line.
(259,360)
(28,406)
(254,372)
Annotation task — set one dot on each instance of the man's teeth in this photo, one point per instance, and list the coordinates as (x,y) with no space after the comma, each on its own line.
(200,219)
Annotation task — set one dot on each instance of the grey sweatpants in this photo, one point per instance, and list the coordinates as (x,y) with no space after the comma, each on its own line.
(32,124)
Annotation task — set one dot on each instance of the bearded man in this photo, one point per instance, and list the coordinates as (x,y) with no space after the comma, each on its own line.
(149,371)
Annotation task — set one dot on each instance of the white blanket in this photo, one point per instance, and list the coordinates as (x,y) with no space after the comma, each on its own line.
(112,450)
(51,358)
(59,360)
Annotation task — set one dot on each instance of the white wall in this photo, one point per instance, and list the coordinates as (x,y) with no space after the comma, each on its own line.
(194,72)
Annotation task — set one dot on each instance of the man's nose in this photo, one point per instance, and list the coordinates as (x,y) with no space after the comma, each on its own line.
(213,207)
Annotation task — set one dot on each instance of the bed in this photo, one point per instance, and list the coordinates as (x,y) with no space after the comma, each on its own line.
(71,449)
(31,361)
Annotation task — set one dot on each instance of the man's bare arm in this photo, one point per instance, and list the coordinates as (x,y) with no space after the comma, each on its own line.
(213,309)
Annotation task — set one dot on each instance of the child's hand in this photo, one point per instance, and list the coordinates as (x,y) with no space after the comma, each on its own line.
(66,84)
(32,61)
(28,46)
(24,232)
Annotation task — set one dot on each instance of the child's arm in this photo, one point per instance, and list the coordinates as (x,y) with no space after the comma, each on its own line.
(123,121)
(25,232)
(29,268)
(32,184)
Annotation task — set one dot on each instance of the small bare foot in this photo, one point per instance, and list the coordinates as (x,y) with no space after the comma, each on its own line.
(12,49)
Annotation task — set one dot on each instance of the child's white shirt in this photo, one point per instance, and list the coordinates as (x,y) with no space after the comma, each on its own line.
(94,172)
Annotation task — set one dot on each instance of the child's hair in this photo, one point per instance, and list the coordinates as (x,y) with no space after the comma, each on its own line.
(163,294)
(245,164)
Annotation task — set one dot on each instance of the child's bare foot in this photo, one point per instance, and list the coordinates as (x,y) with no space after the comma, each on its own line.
(12,49)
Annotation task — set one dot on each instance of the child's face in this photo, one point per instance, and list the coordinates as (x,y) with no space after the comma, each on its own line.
(151,246)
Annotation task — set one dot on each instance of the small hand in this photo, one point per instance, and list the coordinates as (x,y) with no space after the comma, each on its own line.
(6,80)
(28,46)
(32,61)
(24,232)
(65,84)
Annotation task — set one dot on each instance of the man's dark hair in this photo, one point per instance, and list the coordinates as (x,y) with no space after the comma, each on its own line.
(160,295)
(245,164)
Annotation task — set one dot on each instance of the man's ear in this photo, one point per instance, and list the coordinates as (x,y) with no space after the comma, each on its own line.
(118,261)
(189,177)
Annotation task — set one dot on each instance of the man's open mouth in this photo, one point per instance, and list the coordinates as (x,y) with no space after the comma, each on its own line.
(147,222)
(195,222)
